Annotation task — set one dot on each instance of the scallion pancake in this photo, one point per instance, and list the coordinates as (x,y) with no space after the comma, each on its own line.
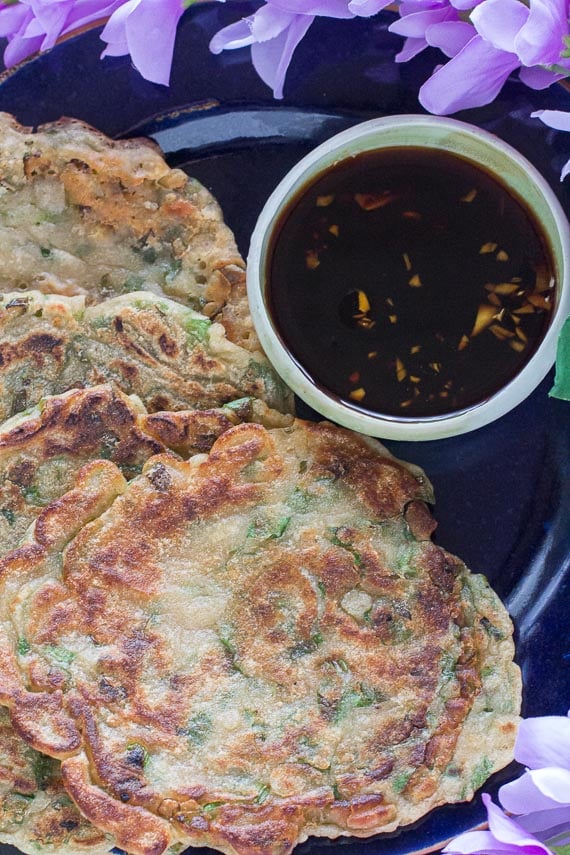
(255,645)
(81,214)
(171,357)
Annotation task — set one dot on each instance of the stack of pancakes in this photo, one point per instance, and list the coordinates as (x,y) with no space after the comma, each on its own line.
(219,625)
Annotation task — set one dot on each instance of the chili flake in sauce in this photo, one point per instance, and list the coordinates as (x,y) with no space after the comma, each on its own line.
(410,282)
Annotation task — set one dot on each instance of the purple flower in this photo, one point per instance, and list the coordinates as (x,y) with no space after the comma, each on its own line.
(34,25)
(541,797)
(275,30)
(543,745)
(474,77)
(535,34)
(504,837)
(145,29)
(559,120)
(498,37)
(435,23)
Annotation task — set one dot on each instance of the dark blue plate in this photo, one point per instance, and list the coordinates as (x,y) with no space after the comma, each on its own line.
(503,492)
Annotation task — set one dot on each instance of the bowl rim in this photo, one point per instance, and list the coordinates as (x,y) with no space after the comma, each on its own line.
(348,143)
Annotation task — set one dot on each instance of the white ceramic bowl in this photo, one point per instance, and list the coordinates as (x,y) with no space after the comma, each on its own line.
(470,143)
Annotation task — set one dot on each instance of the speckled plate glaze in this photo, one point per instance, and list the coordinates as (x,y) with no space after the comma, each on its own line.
(503,492)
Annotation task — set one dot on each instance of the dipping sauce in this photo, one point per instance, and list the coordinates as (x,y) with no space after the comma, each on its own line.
(409,282)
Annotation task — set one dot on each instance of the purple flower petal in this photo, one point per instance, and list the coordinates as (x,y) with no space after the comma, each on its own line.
(149,29)
(233,36)
(50,18)
(554,119)
(537,77)
(271,58)
(544,823)
(367,8)
(19,48)
(545,740)
(540,41)
(506,830)
(151,33)
(115,33)
(269,22)
(13,19)
(414,25)
(118,48)
(87,11)
(542,789)
(449,36)
(499,22)
(472,78)
(410,7)
(411,48)
(14,22)
(329,8)
(479,841)
(465,5)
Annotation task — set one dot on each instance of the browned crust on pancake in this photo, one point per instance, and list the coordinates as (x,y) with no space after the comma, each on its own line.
(171,357)
(328,670)
(35,810)
(124,821)
(42,451)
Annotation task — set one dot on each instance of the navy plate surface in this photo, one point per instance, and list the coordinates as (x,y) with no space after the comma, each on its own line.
(503,492)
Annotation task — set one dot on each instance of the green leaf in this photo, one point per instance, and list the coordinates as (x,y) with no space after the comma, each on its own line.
(60,654)
(133,283)
(564,848)
(345,544)
(448,664)
(238,404)
(299,500)
(400,781)
(199,728)
(149,255)
(227,643)
(561,388)
(267,529)
(8,515)
(197,329)
(492,630)
(172,269)
(559,69)
(481,772)
(31,495)
(262,794)
(302,648)
(211,807)
(364,696)
(23,646)
(43,769)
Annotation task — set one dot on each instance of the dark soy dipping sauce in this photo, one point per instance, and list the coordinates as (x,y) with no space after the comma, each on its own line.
(409,282)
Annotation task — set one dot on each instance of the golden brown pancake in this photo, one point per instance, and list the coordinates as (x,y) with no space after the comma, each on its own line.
(171,357)
(83,214)
(36,813)
(41,452)
(254,646)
